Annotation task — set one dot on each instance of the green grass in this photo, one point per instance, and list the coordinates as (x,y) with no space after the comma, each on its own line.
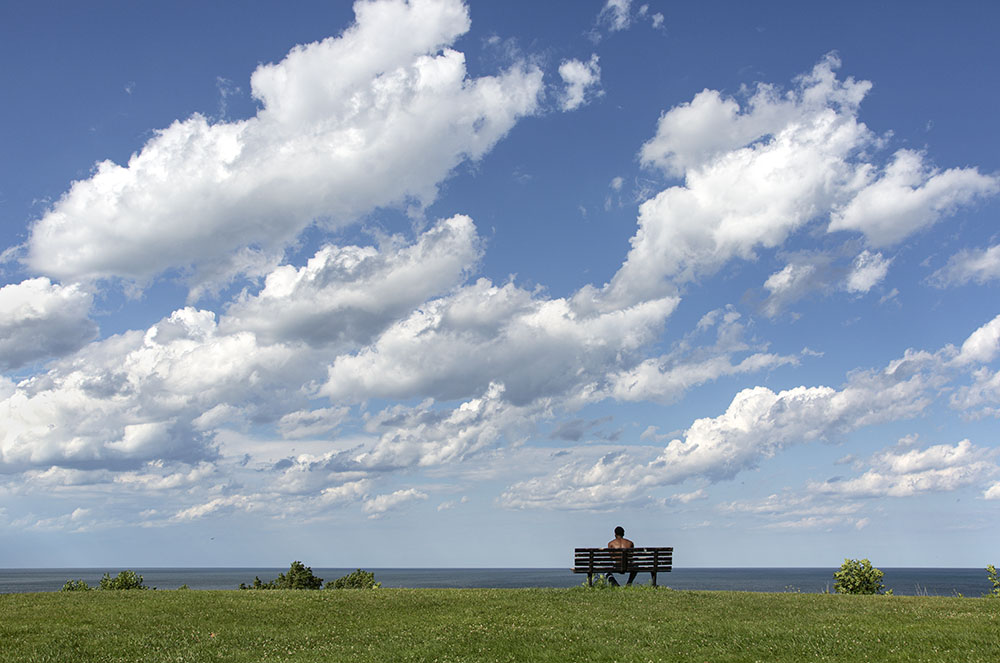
(562,625)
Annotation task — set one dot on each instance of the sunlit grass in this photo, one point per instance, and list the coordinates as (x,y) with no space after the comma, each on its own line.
(493,625)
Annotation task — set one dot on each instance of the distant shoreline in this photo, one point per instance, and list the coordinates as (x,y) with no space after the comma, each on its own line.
(930,581)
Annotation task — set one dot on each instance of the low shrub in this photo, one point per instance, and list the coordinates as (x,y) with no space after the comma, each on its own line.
(355,580)
(123,581)
(299,576)
(858,576)
(991,575)
(76,586)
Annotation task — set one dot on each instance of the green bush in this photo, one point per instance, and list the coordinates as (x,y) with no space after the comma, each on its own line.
(991,574)
(258,584)
(299,576)
(76,586)
(858,576)
(124,580)
(355,580)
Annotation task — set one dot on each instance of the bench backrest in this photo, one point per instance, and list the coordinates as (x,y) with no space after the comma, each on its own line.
(619,560)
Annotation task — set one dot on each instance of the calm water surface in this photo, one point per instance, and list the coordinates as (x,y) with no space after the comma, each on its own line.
(905,581)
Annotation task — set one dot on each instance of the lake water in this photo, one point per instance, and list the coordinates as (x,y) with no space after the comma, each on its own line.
(903,581)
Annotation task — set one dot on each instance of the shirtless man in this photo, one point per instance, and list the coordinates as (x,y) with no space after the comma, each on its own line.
(621,542)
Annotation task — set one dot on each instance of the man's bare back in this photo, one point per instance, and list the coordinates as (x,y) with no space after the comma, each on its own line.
(621,543)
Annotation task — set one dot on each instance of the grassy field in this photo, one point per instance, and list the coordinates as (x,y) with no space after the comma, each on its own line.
(493,625)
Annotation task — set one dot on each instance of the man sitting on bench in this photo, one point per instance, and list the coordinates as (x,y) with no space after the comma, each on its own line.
(621,542)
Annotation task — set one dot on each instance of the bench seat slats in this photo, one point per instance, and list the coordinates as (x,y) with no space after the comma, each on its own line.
(596,557)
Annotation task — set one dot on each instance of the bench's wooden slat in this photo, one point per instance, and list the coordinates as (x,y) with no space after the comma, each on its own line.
(618,559)
(617,555)
(628,569)
(649,548)
(658,565)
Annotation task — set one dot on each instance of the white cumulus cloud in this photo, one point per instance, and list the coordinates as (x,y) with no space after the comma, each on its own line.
(972,265)
(982,346)
(754,174)
(345,296)
(457,345)
(40,319)
(911,472)
(757,424)
(582,80)
(380,504)
(377,116)
(751,179)
(910,196)
(869,270)
(616,14)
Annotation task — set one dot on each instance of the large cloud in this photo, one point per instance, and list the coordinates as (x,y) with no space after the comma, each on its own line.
(137,397)
(426,437)
(666,378)
(347,295)
(910,196)
(40,319)
(754,175)
(907,472)
(377,116)
(457,345)
(757,424)
(751,178)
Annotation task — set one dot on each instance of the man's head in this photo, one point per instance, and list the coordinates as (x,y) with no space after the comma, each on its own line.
(619,531)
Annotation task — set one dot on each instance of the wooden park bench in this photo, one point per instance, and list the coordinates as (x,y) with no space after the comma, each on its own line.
(622,560)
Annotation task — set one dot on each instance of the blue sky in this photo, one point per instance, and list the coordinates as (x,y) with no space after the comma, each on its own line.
(468,284)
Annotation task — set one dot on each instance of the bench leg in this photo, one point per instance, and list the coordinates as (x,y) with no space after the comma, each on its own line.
(590,580)
(653,573)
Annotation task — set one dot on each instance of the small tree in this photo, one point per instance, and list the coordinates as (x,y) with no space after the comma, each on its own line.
(355,580)
(991,575)
(124,580)
(858,577)
(299,576)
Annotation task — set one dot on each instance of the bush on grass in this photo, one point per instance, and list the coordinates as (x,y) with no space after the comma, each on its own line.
(124,580)
(858,576)
(355,580)
(76,586)
(299,576)
(991,575)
